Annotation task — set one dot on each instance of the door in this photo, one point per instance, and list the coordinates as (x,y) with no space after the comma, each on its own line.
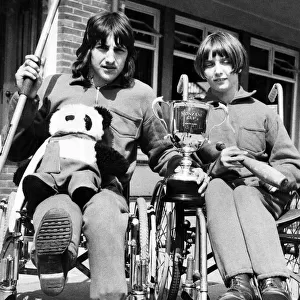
(20,23)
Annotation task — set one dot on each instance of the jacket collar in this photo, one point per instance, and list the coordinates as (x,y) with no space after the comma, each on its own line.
(240,94)
(118,82)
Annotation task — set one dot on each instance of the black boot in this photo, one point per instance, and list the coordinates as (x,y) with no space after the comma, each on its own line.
(274,288)
(240,289)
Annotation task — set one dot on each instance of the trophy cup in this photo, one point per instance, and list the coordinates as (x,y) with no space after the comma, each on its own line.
(187,126)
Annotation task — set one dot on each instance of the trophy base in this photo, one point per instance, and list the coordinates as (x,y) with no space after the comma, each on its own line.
(182,188)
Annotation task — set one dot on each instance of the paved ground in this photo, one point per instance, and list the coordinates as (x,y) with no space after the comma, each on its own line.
(77,287)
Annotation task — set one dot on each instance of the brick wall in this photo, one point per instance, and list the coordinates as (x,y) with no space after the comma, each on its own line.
(6,183)
(72,20)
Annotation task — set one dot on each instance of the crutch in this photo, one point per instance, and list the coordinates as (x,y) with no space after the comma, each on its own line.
(27,86)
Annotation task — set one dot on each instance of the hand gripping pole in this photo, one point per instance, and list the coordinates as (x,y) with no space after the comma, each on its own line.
(27,85)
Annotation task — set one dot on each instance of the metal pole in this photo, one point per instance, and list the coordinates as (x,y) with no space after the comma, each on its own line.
(27,85)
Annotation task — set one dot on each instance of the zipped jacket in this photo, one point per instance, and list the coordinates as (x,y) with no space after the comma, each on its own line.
(252,126)
(133,123)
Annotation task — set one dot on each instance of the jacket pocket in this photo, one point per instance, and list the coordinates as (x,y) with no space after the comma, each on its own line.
(125,126)
(252,140)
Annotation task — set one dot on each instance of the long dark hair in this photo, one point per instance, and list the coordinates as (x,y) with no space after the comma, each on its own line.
(98,28)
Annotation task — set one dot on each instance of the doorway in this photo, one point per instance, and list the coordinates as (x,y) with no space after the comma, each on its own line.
(20,23)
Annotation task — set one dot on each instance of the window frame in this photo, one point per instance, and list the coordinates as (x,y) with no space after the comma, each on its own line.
(155,34)
(199,25)
(272,49)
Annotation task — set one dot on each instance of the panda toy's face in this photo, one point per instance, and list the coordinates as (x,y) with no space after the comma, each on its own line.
(77,118)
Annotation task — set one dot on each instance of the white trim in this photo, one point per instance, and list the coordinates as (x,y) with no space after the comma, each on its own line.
(270,75)
(295,111)
(184,55)
(155,46)
(204,27)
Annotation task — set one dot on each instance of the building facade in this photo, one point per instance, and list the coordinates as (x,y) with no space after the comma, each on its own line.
(167,36)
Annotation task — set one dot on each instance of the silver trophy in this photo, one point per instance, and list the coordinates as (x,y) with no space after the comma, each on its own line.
(187,126)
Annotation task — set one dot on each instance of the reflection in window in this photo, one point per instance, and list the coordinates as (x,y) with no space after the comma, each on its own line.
(284,65)
(187,39)
(142,25)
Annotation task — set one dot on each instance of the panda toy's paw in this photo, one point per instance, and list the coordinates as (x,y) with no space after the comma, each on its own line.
(110,161)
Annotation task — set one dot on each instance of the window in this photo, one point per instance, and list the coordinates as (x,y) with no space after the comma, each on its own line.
(188,36)
(145,22)
(269,64)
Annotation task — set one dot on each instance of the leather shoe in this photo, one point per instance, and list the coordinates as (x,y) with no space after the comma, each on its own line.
(240,289)
(274,288)
(52,257)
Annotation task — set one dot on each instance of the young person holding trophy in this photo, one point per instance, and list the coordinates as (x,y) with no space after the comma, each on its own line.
(102,74)
(241,209)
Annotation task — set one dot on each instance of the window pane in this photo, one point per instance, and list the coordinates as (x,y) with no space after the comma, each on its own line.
(259,58)
(263,85)
(141,22)
(187,39)
(144,65)
(284,64)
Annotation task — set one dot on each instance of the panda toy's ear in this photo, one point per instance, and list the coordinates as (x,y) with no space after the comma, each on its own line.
(106,115)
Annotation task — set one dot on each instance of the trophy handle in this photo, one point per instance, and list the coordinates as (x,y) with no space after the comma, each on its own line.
(225,109)
(155,102)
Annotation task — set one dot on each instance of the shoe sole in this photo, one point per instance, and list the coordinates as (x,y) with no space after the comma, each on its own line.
(275,296)
(52,239)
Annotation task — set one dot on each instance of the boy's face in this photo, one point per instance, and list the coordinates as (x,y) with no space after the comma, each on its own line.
(219,75)
(107,61)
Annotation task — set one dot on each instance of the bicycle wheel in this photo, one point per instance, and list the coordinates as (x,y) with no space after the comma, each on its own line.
(289,234)
(165,287)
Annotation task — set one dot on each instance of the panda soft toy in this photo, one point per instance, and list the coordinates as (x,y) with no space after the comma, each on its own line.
(75,158)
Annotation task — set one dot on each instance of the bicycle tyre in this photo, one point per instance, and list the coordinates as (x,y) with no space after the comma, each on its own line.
(143,228)
(175,283)
(165,285)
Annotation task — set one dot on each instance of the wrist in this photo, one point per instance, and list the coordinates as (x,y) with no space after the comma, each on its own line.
(34,99)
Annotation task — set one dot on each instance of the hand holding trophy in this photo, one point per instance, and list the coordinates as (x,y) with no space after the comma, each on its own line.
(187,126)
